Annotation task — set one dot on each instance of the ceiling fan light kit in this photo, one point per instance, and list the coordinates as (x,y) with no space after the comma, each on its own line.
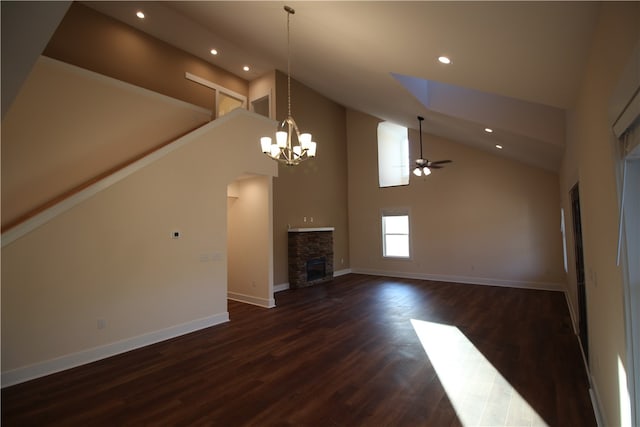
(424,166)
(421,168)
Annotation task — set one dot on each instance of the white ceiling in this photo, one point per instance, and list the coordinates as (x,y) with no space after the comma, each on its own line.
(516,65)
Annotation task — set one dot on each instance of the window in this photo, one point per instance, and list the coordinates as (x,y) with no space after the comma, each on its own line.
(227,103)
(393,155)
(395,235)
(226,100)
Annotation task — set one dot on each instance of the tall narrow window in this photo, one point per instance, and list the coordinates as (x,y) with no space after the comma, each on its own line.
(395,235)
(393,155)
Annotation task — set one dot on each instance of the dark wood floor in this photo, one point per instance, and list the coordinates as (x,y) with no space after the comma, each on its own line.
(340,354)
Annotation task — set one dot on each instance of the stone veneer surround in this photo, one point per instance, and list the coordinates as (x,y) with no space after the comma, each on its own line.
(307,244)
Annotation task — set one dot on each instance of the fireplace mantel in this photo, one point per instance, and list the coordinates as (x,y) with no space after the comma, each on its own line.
(309,229)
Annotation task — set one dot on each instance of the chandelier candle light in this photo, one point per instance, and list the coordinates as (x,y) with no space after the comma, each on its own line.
(283,149)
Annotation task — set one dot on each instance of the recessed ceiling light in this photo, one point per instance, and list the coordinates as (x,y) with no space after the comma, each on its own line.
(246,68)
(214,51)
(488,130)
(444,60)
(140,14)
(499,147)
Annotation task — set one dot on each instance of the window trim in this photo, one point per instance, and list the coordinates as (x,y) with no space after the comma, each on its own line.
(217,89)
(399,211)
(393,143)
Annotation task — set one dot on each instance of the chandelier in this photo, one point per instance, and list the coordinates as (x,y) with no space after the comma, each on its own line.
(284,150)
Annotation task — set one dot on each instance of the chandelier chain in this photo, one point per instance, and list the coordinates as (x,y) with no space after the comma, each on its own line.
(288,64)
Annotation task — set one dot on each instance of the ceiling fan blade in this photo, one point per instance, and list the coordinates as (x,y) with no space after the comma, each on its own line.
(435,167)
(440,162)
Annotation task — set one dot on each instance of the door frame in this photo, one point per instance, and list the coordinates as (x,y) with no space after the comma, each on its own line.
(581,289)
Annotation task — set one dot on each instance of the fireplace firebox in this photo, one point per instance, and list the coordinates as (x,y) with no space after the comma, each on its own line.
(316,269)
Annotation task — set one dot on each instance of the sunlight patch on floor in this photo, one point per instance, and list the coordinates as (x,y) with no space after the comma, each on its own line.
(477,391)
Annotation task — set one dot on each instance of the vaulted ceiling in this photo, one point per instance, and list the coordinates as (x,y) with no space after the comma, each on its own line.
(516,66)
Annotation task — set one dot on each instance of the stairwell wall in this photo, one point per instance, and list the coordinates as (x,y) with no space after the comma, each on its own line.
(69,125)
(107,275)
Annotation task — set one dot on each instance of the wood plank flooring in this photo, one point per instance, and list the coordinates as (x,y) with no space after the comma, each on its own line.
(344,353)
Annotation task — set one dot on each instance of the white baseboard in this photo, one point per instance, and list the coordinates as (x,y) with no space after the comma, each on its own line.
(285,286)
(595,401)
(543,286)
(593,389)
(572,313)
(280,287)
(261,302)
(341,272)
(83,357)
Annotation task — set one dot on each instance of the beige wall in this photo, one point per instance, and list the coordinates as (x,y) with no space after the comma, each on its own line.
(264,86)
(99,43)
(481,219)
(68,126)
(249,237)
(318,187)
(589,160)
(112,257)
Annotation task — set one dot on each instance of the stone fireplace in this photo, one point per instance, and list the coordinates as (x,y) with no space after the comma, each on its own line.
(310,256)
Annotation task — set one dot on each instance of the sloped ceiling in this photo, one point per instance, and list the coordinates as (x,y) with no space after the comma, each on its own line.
(517,66)
(22,43)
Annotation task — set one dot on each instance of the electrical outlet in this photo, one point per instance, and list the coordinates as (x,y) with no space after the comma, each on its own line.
(102,323)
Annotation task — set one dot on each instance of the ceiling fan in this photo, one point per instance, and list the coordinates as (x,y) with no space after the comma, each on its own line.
(424,166)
